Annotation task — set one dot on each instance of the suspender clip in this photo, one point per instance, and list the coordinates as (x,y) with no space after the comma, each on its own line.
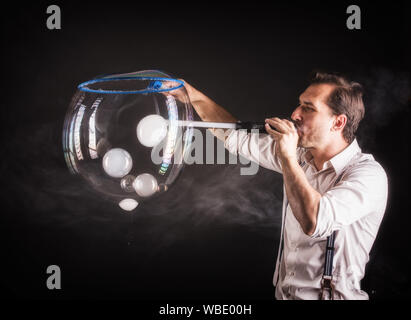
(327,286)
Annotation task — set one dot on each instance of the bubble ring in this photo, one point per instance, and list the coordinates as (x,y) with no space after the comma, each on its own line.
(84,86)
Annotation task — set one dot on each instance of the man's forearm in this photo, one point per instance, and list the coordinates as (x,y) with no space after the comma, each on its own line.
(304,199)
(207,109)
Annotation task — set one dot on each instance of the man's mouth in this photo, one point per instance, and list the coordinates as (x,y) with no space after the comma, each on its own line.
(299,128)
(297,125)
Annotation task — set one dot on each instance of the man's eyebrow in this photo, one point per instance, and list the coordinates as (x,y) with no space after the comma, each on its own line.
(308,103)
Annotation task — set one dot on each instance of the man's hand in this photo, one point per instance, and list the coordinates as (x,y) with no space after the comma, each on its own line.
(286,136)
(179,94)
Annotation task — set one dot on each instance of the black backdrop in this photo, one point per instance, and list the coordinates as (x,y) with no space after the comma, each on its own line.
(215,233)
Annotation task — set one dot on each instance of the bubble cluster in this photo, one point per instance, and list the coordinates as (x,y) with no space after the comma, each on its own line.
(112,127)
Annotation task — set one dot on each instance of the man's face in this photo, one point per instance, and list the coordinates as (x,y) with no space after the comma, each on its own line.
(313,116)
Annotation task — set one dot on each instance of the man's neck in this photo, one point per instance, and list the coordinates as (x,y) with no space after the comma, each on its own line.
(322,155)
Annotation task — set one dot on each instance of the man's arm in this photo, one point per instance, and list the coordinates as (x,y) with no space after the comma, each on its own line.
(206,108)
(362,192)
(258,148)
(304,200)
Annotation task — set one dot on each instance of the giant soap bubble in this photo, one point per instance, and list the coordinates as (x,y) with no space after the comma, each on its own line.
(121,134)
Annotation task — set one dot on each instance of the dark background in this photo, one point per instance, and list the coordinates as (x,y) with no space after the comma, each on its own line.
(214,234)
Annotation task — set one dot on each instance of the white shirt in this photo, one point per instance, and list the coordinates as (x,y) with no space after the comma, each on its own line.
(354,207)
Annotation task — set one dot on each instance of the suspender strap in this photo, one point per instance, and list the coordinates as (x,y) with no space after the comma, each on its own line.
(329,255)
(327,285)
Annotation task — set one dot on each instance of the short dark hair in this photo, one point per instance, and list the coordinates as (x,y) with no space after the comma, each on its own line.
(346,98)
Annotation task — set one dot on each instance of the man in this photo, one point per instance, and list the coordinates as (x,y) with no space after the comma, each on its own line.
(332,189)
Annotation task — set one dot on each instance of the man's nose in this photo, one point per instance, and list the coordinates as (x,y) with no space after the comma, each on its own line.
(296,116)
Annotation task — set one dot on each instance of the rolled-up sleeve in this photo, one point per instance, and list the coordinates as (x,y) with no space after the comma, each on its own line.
(362,191)
(259,148)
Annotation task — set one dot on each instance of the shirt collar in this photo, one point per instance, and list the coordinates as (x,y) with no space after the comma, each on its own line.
(340,160)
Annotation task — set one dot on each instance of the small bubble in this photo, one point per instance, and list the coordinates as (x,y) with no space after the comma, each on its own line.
(128,204)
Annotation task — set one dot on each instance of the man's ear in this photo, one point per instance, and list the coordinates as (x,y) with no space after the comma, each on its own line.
(340,122)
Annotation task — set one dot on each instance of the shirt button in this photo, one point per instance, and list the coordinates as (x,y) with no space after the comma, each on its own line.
(291,273)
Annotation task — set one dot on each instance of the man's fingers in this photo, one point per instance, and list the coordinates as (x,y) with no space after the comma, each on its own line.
(271,131)
(175,93)
(277,124)
(290,124)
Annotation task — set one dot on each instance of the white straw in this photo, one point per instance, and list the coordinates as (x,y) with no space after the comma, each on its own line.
(205,124)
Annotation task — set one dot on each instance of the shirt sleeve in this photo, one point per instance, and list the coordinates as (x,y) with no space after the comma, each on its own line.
(259,148)
(361,192)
